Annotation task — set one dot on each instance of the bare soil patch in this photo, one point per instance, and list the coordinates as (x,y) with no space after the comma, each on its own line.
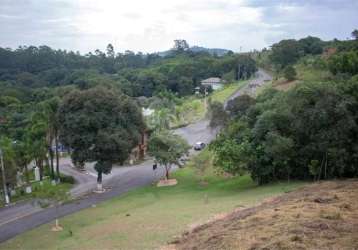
(285,85)
(318,216)
(165,182)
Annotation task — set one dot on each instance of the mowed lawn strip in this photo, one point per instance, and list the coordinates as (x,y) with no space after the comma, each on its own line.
(223,94)
(149,217)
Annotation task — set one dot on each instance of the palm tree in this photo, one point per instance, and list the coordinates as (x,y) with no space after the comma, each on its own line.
(38,131)
(50,108)
(23,155)
(162,119)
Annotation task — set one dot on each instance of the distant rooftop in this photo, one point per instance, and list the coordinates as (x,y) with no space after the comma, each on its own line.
(211,80)
(147,111)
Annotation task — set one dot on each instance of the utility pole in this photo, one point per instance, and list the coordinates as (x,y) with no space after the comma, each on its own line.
(6,196)
(205,101)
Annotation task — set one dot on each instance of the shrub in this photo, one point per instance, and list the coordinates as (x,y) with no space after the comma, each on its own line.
(67,179)
(290,73)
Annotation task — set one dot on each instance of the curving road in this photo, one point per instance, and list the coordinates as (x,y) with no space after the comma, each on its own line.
(86,180)
(14,221)
(260,79)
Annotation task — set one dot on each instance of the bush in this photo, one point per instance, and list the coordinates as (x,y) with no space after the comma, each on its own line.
(290,73)
(67,179)
(344,62)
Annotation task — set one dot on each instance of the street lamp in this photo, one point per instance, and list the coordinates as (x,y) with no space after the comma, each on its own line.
(7,199)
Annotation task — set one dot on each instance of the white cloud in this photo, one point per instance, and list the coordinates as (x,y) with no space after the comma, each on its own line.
(153,25)
(143,25)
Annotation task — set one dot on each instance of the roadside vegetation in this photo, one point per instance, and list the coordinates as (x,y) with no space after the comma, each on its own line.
(45,192)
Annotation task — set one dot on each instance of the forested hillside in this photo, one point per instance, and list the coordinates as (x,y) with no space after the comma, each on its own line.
(136,74)
(308,131)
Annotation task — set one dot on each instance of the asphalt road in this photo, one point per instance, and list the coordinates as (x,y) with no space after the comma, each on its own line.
(121,180)
(261,77)
(87,180)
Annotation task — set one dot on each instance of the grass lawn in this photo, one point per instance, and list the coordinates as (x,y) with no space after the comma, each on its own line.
(223,94)
(149,217)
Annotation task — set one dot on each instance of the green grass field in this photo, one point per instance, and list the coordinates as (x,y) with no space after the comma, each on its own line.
(223,94)
(149,217)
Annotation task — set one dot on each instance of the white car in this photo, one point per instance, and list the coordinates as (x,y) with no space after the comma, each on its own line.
(199,145)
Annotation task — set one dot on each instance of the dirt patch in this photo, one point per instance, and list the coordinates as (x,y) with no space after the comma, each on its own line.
(165,183)
(318,216)
(285,85)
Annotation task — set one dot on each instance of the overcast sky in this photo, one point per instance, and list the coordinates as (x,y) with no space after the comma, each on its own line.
(152,25)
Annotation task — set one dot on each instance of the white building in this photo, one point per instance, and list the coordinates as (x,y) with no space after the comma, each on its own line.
(147,111)
(215,82)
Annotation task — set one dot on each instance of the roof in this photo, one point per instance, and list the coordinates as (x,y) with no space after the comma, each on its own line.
(147,112)
(211,80)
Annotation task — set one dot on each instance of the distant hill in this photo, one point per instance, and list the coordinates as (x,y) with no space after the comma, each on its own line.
(212,51)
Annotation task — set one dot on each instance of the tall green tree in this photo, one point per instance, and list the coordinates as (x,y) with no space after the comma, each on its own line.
(240,105)
(9,158)
(51,107)
(167,149)
(217,115)
(285,52)
(290,73)
(99,125)
(38,131)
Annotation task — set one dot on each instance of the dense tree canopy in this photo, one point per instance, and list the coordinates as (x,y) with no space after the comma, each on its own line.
(344,62)
(285,136)
(137,74)
(99,125)
(287,52)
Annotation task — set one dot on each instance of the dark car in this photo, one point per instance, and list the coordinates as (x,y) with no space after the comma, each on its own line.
(199,145)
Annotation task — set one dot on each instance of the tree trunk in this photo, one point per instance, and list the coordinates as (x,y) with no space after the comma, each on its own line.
(51,163)
(167,172)
(320,169)
(99,181)
(27,177)
(325,168)
(57,158)
(28,187)
(41,169)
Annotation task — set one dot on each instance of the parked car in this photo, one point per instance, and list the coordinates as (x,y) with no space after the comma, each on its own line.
(199,145)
